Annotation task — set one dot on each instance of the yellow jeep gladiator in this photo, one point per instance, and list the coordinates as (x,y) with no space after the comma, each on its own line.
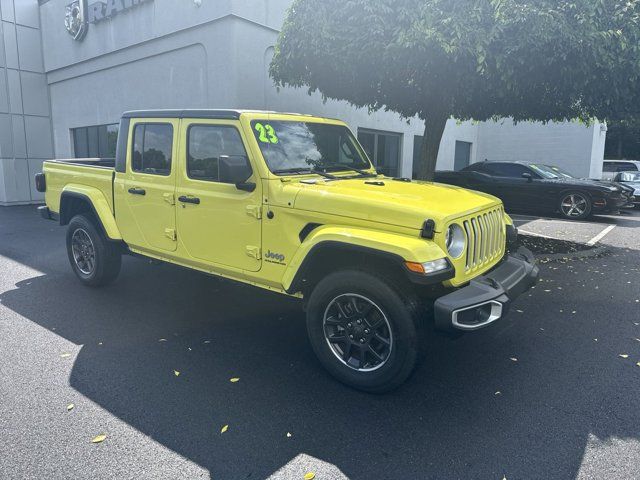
(291,203)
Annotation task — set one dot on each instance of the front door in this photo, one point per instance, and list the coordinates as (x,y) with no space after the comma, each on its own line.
(218,224)
(146,204)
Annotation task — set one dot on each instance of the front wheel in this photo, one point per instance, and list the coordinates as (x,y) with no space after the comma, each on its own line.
(575,206)
(95,260)
(363,331)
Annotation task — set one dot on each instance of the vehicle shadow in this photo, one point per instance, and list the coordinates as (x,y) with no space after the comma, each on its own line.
(448,421)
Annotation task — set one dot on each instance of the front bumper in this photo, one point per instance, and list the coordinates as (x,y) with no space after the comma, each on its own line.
(612,203)
(487,298)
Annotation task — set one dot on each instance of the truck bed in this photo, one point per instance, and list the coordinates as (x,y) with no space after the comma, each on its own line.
(85,172)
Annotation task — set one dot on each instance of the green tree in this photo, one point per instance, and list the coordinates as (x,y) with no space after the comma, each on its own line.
(545,60)
(623,138)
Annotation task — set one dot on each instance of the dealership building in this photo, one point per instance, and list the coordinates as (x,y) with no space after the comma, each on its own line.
(69,69)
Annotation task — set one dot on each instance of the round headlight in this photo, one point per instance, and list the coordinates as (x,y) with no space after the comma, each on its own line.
(455,240)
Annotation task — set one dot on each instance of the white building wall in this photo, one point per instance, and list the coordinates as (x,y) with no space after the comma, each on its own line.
(597,150)
(25,127)
(576,147)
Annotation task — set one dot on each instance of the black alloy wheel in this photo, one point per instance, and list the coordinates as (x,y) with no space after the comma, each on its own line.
(358,332)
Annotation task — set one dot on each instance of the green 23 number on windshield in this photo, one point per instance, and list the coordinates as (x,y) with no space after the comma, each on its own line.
(266,133)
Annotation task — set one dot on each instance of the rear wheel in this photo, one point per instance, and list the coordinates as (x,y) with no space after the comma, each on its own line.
(363,331)
(575,206)
(95,260)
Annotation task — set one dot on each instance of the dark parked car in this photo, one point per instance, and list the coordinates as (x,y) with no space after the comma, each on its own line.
(538,188)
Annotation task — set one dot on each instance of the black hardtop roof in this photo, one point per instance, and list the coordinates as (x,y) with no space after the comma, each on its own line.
(221,114)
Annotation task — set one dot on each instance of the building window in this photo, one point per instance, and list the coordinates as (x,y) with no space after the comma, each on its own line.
(152,148)
(383,149)
(98,141)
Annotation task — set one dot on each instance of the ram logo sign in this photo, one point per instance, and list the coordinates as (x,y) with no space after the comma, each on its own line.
(79,14)
(75,19)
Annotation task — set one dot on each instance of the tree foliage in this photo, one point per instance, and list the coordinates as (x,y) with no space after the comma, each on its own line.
(471,59)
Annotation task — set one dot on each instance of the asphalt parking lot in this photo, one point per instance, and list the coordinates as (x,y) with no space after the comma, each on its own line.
(549,392)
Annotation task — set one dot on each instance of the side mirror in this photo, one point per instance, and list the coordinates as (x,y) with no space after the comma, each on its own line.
(236,169)
(527,176)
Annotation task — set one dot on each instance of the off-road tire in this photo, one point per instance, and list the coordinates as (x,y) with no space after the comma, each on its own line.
(402,315)
(106,254)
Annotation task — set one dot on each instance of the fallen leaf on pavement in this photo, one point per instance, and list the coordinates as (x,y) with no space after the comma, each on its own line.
(309,476)
(99,439)
(224,429)
(234,380)
(70,407)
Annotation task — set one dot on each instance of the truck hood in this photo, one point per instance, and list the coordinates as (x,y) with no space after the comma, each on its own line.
(401,203)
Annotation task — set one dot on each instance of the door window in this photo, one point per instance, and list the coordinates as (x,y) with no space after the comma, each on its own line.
(152,148)
(510,170)
(205,145)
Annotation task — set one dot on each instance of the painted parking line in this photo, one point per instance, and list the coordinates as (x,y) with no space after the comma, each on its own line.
(534,234)
(601,235)
(526,218)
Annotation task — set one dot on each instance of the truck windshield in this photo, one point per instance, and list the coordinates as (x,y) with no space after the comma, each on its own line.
(291,147)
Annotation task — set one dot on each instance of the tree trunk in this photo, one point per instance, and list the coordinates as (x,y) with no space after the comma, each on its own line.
(433,130)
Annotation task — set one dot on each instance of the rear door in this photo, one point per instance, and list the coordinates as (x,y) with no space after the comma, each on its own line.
(218,223)
(147,211)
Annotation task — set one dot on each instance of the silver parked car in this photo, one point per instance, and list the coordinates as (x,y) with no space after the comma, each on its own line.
(630,179)
(611,167)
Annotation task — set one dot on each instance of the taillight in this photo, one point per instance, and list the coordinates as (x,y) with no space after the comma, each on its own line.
(41,183)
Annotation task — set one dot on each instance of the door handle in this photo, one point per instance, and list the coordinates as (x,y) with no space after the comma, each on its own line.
(137,191)
(185,199)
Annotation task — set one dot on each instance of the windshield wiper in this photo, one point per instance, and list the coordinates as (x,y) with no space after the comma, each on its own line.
(362,173)
(302,171)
